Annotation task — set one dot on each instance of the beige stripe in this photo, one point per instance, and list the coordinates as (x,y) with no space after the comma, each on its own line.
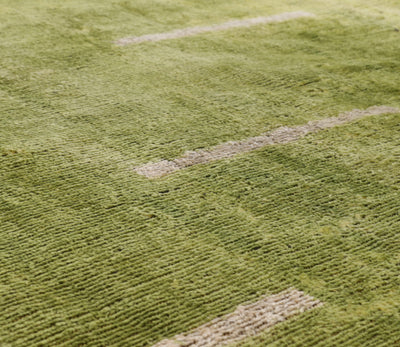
(246,321)
(278,136)
(217,27)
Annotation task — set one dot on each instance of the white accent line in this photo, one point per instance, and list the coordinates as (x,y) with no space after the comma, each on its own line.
(216,27)
(278,136)
(246,321)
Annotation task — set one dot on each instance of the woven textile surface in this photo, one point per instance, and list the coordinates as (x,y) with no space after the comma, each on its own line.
(93,253)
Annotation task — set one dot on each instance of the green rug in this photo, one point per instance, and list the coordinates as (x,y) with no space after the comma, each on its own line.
(94,254)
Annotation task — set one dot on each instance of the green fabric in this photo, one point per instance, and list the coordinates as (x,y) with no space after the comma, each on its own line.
(93,254)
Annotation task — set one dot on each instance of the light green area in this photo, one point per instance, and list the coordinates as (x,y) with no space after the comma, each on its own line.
(93,254)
